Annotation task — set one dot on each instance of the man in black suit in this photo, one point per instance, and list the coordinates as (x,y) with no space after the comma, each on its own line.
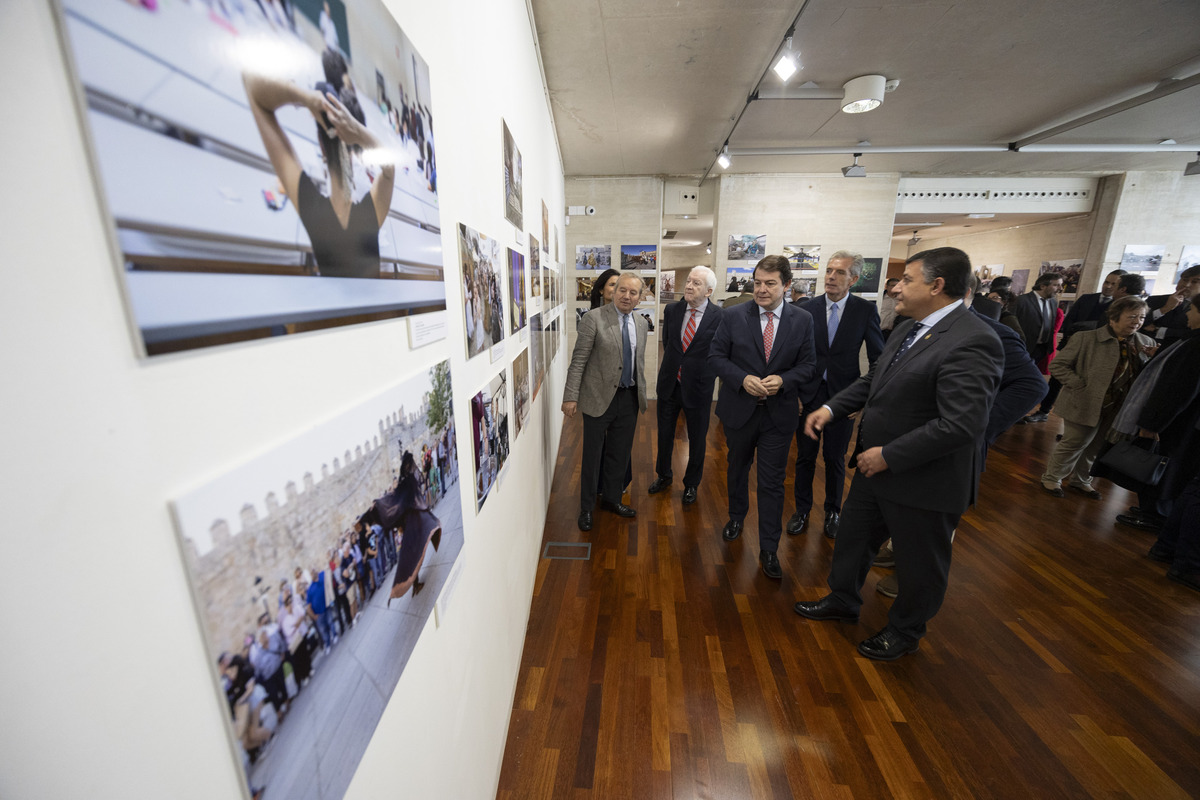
(1166,320)
(1086,314)
(925,405)
(1037,310)
(763,354)
(685,379)
(842,324)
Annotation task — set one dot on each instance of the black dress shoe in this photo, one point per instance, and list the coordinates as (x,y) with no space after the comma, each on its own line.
(770,565)
(1140,521)
(797,522)
(1186,577)
(732,530)
(825,609)
(620,509)
(1161,553)
(888,645)
(659,484)
(689,495)
(832,520)
(585,520)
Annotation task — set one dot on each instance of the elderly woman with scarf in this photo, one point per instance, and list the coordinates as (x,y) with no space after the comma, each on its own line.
(1096,370)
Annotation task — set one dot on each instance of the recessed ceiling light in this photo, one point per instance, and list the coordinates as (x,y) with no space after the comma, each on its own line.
(980,216)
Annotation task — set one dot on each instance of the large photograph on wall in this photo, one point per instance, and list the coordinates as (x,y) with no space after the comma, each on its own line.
(315,567)
(269,168)
(514,206)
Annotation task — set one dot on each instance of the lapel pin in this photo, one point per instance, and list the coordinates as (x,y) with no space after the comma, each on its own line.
(929,336)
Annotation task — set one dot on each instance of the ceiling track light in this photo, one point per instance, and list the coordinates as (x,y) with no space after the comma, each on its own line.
(855,170)
(723,159)
(787,64)
(913,242)
(1193,167)
(863,93)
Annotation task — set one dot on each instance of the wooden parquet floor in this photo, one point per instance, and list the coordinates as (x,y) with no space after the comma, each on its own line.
(1063,663)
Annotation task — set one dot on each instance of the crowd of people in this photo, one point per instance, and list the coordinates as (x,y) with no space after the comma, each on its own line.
(319,602)
(951,368)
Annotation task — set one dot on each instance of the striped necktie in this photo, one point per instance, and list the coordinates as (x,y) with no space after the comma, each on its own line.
(688,332)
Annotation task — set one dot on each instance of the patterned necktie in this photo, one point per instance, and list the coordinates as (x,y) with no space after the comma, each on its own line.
(769,335)
(907,343)
(688,332)
(626,354)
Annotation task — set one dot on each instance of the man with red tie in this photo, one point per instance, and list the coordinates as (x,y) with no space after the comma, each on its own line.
(685,379)
(763,354)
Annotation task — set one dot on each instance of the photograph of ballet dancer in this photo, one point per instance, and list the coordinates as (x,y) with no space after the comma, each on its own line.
(803,257)
(513,204)
(521,396)
(253,159)
(593,257)
(489,435)
(517,301)
(483,307)
(315,567)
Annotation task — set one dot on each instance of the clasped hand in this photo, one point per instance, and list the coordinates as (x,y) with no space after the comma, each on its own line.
(762,387)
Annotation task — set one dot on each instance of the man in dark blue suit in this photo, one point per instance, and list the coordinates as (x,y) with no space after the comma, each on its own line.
(685,379)
(842,324)
(1021,387)
(763,354)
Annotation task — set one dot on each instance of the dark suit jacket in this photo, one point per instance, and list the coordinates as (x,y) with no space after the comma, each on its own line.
(1086,314)
(989,309)
(859,324)
(929,411)
(1021,385)
(737,351)
(1173,412)
(696,383)
(1174,321)
(1028,309)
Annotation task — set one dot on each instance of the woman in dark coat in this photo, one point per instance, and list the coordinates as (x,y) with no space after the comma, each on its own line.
(1170,415)
(407,508)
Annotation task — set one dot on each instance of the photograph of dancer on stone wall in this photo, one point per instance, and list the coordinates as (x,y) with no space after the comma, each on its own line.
(315,567)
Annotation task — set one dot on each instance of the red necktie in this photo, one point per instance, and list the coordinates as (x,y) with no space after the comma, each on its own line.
(769,335)
(688,332)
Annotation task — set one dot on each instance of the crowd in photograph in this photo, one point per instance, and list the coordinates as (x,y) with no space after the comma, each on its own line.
(318,603)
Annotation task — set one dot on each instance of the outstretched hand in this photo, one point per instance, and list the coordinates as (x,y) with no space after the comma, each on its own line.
(816,421)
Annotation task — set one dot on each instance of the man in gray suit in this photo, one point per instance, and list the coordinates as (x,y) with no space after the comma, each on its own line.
(606,381)
(925,405)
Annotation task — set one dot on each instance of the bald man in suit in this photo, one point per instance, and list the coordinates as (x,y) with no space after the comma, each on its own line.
(606,381)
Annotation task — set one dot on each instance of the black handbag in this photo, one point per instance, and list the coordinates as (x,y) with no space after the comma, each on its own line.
(1133,459)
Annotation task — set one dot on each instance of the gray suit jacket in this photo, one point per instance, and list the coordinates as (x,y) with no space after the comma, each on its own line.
(595,368)
(929,411)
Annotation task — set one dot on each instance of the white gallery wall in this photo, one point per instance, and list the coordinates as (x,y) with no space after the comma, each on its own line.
(108,690)
(831,211)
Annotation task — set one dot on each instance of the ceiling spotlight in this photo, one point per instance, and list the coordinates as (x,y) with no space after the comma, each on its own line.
(855,170)
(1193,167)
(863,93)
(723,159)
(913,242)
(786,66)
